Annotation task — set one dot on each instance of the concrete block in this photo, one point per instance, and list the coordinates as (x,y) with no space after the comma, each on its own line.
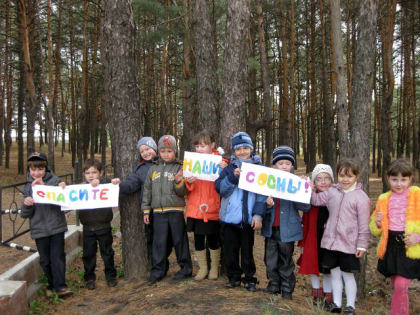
(13,300)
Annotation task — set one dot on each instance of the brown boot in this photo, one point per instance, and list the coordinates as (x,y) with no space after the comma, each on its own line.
(202,263)
(214,266)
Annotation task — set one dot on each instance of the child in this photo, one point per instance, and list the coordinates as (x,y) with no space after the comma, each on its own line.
(163,197)
(397,221)
(97,230)
(47,223)
(346,235)
(203,205)
(281,228)
(241,213)
(313,228)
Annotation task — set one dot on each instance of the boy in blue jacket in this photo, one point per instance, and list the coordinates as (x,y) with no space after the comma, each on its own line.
(281,228)
(241,212)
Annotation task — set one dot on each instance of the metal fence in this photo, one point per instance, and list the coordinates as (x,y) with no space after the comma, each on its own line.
(13,210)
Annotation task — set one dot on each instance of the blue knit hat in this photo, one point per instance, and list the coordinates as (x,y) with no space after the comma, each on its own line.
(147,141)
(284,152)
(241,139)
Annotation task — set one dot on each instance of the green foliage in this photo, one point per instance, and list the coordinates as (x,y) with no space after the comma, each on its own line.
(120,272)
(43,280)
(271,308)
(36,307)
(254,64)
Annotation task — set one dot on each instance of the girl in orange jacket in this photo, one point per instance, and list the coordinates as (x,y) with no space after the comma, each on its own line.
(203,205)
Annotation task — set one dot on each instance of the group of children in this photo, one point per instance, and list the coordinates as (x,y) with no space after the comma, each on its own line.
(334,236)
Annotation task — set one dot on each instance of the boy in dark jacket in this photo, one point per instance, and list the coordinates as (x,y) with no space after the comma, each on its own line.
(97,229)
(282,227)
(163,197)
(48,224)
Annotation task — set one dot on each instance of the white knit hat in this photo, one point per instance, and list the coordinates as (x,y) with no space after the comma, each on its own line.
(322,168)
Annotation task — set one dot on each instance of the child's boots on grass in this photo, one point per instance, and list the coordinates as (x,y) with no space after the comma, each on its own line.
(202,263)
(214,266)
(317,295)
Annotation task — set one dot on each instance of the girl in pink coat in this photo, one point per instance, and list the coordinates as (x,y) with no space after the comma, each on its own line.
(346,234)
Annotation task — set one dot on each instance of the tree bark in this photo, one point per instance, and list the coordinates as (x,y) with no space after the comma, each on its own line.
(234,71)
(125,124)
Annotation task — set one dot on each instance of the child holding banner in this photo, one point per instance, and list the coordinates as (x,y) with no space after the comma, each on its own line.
(346,235)
(397,221)
(47,223)
(314,221)
(97,230)
(281,228)
(203,206)
(163,197)
(241,212)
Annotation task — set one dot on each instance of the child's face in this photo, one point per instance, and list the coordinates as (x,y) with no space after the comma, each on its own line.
(346,179)
(147,153)
(243,153)
(92,173)
(204,148)
(37,172)
(284,165)
(166,154)
(399,183)
(323,181)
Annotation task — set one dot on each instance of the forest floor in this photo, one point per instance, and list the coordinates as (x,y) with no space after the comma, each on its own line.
(187,296)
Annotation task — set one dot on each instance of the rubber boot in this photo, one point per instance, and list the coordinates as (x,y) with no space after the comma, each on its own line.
(202,263)
(214,266)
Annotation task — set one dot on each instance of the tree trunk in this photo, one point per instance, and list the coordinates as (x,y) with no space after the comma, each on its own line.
(206,66)
(340,71)
(234,71)
(362,100)
(125,124)
(49,118)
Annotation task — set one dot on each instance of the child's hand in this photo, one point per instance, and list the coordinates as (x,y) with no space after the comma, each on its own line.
(115,181)
(222,164)
(256,225)
(360,253)
(311,184)
(237,172)
(95,182)
(411,239)
(38,181)
(28,201)
(191,179)
(378,219)
(62,185)
(178,176)
(146,219)
(270,202)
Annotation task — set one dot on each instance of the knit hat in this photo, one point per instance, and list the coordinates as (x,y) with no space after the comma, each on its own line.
(147,141)
(168,142)
(284,152)
(37,156)
(322,168)
(241,139)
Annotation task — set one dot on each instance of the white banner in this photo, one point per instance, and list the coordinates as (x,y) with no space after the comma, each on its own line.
(273,182)
(78,197)
(202,166)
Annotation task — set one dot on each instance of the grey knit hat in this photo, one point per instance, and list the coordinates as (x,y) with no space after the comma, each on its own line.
(167,141)
(147,141)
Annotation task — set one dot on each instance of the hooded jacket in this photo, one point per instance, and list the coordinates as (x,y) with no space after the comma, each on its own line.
(161,194)
(44,219)
(347,227)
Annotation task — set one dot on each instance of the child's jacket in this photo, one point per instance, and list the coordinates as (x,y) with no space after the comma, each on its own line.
(161,193)
(203,201)
(347,227)
(134,182)
(96,219)
(290,220)
(412,223)
(238,206)
(44,219)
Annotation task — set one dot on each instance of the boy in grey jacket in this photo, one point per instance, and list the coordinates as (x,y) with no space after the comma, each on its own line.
(47,223)
(163,197)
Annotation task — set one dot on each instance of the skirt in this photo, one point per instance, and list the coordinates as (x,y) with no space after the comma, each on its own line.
(202,228)
(395,261)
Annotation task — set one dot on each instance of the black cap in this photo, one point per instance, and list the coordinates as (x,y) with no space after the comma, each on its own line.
(34,156)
